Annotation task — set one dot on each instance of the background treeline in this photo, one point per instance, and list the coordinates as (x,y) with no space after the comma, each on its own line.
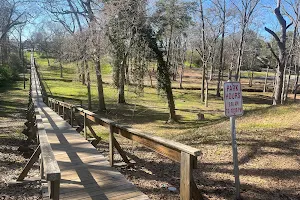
(159,40)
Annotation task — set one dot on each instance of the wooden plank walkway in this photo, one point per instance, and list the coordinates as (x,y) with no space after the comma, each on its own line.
(85,173)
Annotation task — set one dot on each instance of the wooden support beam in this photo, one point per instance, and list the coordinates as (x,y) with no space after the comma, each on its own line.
(33,159)
(185,176)
(58,109)
(121,152)
(196,195)
(71,116)
(92,131)
(63,112)
(54,189)
(111,146)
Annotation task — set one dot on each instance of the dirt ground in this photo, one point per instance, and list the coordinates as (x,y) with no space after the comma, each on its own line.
(12,117)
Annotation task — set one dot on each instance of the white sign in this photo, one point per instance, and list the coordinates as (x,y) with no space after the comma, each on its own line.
(233,99)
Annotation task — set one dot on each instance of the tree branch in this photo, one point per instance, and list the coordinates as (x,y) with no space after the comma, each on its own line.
(273,34)
(272,51)
(280,17)
(288,26)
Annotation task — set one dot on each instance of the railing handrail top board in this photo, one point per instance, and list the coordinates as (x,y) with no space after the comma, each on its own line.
(171,144)
(67,105)
(51,167)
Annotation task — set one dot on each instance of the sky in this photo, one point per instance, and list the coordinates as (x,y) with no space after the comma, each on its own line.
(263,16)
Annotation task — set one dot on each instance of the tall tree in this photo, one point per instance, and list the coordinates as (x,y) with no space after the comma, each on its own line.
(245,10)
(281,57)
(221,7)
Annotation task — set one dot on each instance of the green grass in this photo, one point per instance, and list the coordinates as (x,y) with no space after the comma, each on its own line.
(149,111)
(267,136)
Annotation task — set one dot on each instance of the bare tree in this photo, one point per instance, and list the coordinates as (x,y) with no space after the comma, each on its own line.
(281,57)
(245,10)
(291,62)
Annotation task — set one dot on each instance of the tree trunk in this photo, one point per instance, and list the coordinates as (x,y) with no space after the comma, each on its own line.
(281,58)
(240,55)
(121,88)
(82,73)
(296,79)
(191,59)
(127,80)
(203,82)
(221,61)
(279,84)
(101,101)
(206,93)
(61,69)
(266,79)
(48,61)
(88,85)
(251,79)
(287,85)
(283,85)
(163,76)
(203,51)
(78,71)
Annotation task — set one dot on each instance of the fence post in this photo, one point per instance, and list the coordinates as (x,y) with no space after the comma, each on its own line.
(54,189)
(111,145)
(185,176)
(63,110)
(71,118)
(58,108)
(85,126)
(41,167)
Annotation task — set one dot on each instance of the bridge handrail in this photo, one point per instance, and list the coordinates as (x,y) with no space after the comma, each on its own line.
(184,154)
(48,166)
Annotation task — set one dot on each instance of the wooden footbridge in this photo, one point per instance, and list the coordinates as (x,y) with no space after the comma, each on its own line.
(72,168)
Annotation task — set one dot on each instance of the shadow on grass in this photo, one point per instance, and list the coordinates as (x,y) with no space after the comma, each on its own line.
(168,171)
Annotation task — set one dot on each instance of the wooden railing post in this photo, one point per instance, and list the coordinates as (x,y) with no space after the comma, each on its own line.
(58,108)
(186,167)
(85,126)
(111,145)
(54,189)
(71,116)
(41,167)
(63,111)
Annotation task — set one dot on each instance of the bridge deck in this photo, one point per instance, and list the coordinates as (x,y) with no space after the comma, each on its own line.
(85,173)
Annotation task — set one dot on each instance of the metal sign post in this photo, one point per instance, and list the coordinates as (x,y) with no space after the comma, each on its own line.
(234,107)
(235,158)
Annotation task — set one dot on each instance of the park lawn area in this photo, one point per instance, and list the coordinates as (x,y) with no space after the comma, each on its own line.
(268,137)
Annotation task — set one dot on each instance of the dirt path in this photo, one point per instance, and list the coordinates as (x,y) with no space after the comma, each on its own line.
(13,102)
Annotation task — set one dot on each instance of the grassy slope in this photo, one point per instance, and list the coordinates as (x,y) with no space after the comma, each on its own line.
(265,134)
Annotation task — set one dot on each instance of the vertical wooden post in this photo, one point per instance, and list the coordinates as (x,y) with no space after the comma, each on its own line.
(85,126)
(63,111)
(41,167)
(71,117)
(185,176)
(58,109)
(54,189)
(111,145)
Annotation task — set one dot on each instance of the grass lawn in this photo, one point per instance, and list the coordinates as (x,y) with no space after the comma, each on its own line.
(268,137)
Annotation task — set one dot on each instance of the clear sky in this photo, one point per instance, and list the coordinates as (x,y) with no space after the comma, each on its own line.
(263,16)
